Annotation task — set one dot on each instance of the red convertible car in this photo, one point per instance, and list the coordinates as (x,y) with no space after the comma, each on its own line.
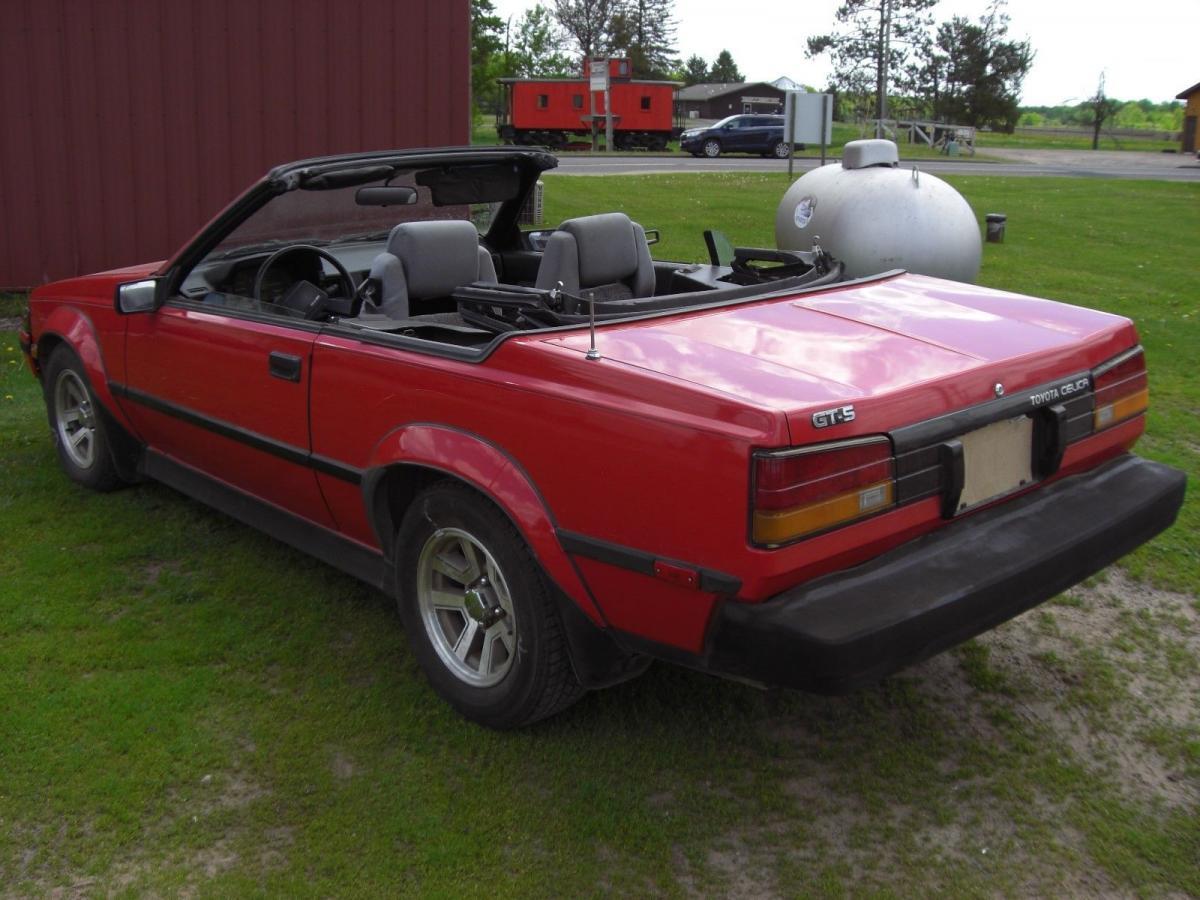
(565,458)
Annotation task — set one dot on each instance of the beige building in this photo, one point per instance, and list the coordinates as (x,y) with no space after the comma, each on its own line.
(1191,114)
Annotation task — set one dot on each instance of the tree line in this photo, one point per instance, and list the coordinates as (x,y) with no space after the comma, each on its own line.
(889,59)
(968,72)
(1166,116)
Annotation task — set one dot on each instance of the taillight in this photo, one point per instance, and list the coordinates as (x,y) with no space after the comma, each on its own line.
(804,491)
(1120,389)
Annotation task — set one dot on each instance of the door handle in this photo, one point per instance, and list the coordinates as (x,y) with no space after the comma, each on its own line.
(284,365)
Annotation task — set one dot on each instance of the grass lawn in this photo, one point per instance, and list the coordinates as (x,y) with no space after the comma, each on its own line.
(189,706)
(994,140)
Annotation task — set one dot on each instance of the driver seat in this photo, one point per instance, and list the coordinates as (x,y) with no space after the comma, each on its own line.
(602,257)
(427,261)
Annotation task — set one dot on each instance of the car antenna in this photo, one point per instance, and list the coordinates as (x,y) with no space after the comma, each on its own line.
(592,353)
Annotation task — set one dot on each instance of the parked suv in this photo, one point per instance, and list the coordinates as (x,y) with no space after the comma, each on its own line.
(738,134)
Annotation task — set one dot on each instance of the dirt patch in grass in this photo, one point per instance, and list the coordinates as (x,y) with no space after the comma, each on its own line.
(1102,667)
(37,867)
(343,766)
(1100,686)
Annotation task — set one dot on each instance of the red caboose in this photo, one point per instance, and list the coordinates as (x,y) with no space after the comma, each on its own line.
(548,111)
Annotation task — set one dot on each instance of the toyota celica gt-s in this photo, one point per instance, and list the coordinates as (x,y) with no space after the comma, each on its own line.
(565,458)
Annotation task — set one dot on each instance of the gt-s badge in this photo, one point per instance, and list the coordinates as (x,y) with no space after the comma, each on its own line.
(836,416)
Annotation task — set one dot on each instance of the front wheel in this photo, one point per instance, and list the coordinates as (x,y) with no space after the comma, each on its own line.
(712,148)
(782,149)
(478,611)
(83,446)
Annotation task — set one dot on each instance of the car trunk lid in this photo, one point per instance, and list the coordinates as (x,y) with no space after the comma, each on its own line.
(897,348)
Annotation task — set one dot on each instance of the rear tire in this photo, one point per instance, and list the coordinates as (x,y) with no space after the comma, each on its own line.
(781,149)
(81,439)
(478,611)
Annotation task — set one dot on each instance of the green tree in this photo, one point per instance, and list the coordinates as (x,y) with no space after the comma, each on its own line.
(538,46)
(1132,115)
(695,70)
(725,70)
(973,74)
(876,47)
(644,31)
(589,23)
(1097,110)
(487,31)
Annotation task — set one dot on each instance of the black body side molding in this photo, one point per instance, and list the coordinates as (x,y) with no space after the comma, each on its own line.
(329,547)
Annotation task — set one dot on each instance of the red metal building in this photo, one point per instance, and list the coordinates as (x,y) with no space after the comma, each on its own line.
(129,123)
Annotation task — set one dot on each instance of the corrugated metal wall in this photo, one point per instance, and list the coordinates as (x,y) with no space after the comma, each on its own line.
(125,125)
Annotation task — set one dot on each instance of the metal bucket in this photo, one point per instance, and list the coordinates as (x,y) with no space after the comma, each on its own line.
(995,227)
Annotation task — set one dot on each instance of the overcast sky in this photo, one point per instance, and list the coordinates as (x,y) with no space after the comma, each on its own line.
(1147,48)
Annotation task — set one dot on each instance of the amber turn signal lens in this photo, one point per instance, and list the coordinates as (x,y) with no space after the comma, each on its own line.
(805,491)
(786,525)
(1121,390)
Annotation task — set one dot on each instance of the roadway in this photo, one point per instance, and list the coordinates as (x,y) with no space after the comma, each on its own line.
(1060,163)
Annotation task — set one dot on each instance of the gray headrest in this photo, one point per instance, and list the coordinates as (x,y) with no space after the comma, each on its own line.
(437,256)
(608,249)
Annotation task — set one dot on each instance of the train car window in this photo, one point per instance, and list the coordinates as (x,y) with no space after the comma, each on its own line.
(645,103)
(577,101)
(543,101)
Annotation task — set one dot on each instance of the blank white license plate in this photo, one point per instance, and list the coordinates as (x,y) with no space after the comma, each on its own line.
(997,460)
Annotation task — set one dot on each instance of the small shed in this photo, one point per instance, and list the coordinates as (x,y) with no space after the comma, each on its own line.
(716,101)
(1191,114)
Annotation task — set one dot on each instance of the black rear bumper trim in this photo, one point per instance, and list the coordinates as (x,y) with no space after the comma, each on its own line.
(851,628)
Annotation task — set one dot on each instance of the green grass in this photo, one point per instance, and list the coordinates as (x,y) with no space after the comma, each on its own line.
(12,305)
(987,141)
(188,706)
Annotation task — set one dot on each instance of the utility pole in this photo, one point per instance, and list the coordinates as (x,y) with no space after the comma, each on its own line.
(885,28)
(608,120)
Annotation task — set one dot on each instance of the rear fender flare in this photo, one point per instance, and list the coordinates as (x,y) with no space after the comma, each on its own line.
(491,471)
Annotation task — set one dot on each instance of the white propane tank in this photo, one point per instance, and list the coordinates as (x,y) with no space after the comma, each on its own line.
(874,216)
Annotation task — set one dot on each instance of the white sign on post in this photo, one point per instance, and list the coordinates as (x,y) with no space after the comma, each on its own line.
(811,116)
(598,69)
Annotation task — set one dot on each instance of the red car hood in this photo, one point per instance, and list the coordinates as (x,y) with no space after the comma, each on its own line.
(99,284)
(877,345)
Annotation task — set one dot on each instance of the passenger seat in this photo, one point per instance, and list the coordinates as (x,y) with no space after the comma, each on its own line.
(427,261)
(602,257)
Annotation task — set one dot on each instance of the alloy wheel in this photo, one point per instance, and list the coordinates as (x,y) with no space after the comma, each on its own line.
(466,607)
(74,419)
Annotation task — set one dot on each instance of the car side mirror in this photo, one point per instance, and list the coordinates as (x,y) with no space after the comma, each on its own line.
(537,240)
(137,296)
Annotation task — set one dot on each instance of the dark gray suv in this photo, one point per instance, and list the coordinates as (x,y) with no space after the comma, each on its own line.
(738,134)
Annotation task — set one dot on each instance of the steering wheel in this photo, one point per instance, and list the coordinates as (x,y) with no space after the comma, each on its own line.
(348,289)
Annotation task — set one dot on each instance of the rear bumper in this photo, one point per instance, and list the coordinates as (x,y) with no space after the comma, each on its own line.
(851,628)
